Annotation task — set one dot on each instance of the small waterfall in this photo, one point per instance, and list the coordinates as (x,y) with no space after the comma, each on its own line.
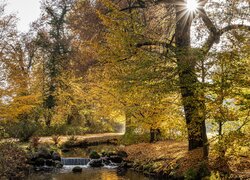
(75,161)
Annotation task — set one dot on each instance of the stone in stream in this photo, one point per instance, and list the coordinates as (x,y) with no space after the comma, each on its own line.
(122,154)
(106,161)
(44,168)
(49,162)
(56,156)
(96,163)
(77,169)
(58,164)
(44,159)
(121,171)
(115,159)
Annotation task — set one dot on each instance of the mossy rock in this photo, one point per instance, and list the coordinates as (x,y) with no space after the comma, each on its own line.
(113,153)
(94,155)
(104,153)
(43,152)
(116,159)
(122,154)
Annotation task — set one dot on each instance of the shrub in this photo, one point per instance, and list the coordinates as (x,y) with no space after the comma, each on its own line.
(190,174)
(215,176)
(72,138)
(71,142)
(61,129)
(56,139)
(12,161)
(22,130)
(133,137)
(52,130)
(44,151)
(35,141)
(203,170)
(3,133)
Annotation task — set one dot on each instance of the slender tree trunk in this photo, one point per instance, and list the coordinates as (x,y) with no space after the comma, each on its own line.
(220,129)
(48,118)
(186,61)
(152,135)
(69,119)
(204,130)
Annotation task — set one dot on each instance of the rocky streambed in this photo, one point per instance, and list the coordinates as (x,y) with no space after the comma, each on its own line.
(46,161)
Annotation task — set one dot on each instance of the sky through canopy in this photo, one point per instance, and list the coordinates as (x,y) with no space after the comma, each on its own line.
(27,12)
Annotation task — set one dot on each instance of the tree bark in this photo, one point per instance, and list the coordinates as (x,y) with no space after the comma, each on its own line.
(189,84)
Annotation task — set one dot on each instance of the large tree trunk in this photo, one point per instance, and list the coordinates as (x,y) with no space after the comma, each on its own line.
(192,103)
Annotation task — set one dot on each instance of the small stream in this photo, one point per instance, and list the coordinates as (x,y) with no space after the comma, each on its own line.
(108,172)
(88,174)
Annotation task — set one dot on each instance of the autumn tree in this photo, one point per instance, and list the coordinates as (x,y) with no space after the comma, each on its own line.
(179,48)
(17,59)
(54,40)
(192,101)
(228,89)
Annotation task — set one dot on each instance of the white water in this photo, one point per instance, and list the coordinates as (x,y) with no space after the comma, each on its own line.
(70,163)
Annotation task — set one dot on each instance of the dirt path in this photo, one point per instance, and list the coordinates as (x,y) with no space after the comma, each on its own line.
(88,137)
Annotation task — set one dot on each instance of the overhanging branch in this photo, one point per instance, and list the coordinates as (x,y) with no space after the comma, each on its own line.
(235,26)
(165,1)
(214,37)
(210,25)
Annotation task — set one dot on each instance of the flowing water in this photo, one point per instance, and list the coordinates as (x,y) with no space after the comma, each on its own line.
(108,172)
(75,161)
(72,159)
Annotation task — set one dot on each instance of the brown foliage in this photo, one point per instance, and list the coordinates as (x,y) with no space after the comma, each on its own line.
(56,139)
(35,141)
(12,161)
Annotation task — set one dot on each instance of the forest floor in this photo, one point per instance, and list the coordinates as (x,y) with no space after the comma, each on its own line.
(87,137)
(167,155)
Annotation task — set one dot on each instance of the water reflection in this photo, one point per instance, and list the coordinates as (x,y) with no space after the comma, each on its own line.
(90,174)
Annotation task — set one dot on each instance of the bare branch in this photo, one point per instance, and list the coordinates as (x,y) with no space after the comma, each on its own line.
(235,26)
(165,1)
(210,25)
(215,37)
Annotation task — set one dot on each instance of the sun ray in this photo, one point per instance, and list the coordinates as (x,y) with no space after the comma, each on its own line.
(188,9)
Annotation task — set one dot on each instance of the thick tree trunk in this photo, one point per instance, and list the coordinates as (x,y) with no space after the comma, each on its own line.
(158,134)
(193,106)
